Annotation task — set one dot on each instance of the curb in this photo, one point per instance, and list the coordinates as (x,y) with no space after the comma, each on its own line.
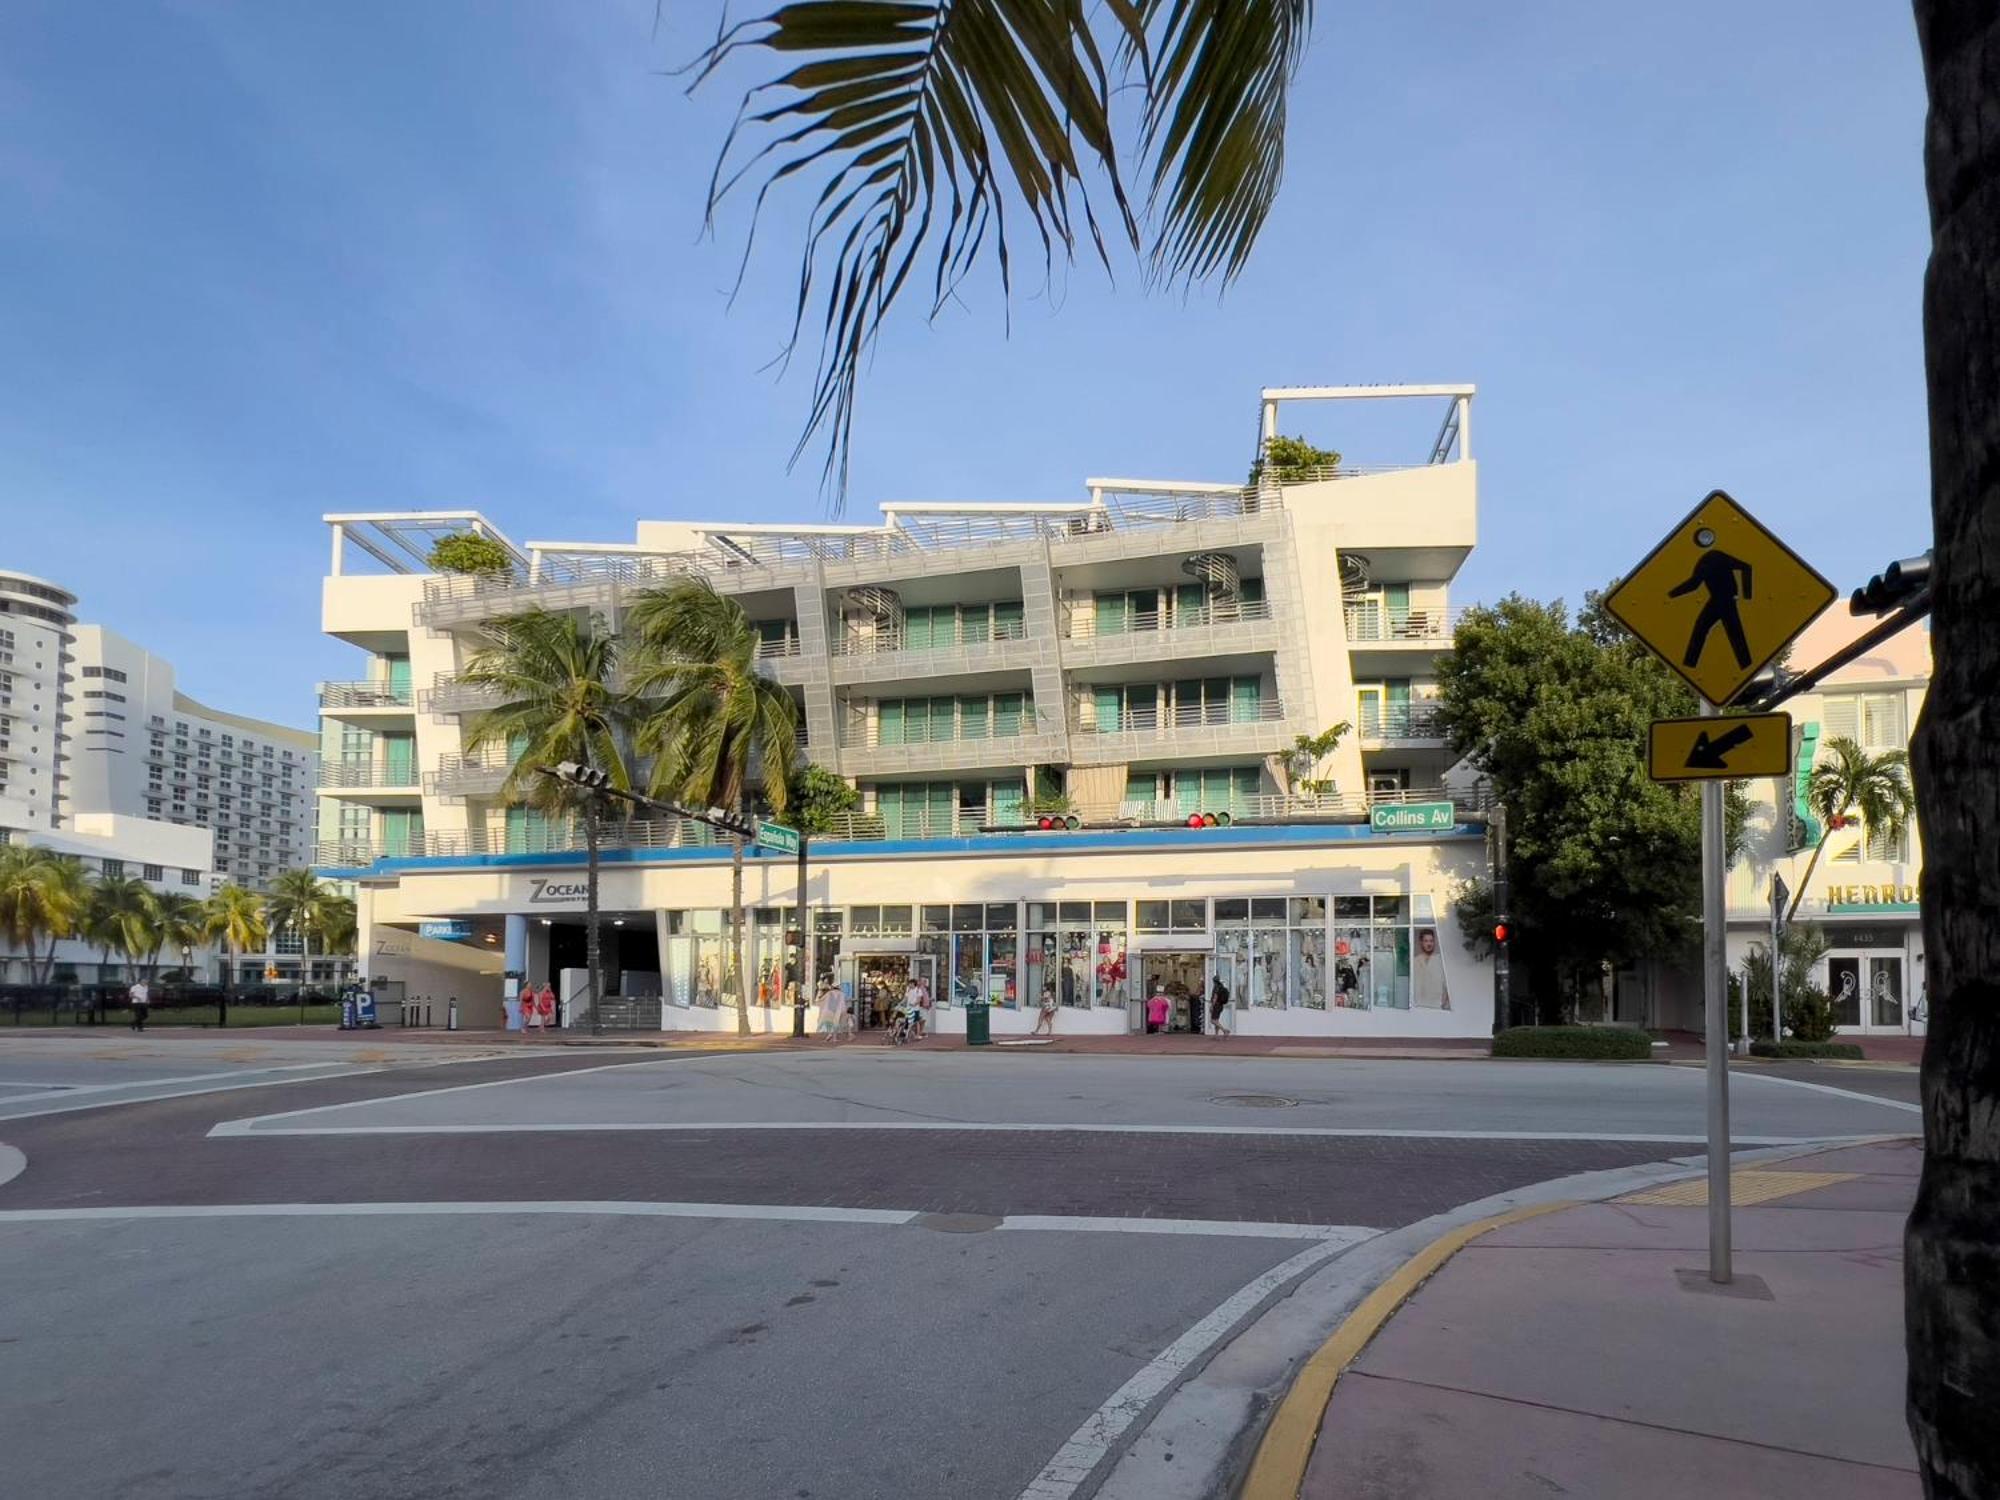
(1279,1469)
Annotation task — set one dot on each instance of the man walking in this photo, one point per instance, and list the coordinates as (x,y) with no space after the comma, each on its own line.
(141,999)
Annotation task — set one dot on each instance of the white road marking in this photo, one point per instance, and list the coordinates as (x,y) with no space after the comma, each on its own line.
(254,1126)
(169,1090)
(457,1088)
(1327,1237)
(72,1090)
(1088,1445)
(1827,1088)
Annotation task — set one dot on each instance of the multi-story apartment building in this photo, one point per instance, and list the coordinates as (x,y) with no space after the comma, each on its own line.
(1152,652)
(37,619)
(146,750)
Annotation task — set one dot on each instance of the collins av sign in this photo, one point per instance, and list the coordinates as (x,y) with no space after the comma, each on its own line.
(1413,817)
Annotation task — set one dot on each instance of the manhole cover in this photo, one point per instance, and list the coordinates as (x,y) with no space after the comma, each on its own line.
(1254,1101)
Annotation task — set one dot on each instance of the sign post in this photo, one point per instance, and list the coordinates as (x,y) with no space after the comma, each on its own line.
(1779,896)
(1717,600)
(776,837)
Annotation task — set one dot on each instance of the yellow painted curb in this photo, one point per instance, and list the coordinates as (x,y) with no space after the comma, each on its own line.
(1280,1466)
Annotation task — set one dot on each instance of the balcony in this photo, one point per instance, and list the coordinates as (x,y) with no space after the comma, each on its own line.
(1204,729)
(1370,624)
(476,773)
(334,696)
(1006,740)
(1216,629)
(352,775)
(892,653)
(1400,724)
(448,695)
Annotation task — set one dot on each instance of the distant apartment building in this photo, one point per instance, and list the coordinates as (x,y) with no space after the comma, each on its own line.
(37,621)
(1150,652)
(144,749)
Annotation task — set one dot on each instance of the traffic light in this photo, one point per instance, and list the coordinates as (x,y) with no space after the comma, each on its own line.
(590,778)
(1892,588)
(1058,823)
(1502,930)
(1208,820)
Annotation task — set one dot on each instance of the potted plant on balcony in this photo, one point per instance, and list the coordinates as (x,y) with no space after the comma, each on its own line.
(470,552)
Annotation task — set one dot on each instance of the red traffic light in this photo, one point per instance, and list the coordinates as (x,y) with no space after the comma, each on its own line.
(1058,822)
(1208,820)
(1500,931)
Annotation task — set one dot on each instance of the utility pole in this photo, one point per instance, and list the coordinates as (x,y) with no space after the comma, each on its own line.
(1503,980)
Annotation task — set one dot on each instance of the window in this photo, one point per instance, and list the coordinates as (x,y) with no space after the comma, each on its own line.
(1874,721)
(150,872)
(113,868)
(1173,916)
(1270,950)
(1080,949)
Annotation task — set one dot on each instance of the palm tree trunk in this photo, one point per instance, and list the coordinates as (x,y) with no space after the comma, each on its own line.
(1952,1245)
(593,948)
(736,934)
(1805,880)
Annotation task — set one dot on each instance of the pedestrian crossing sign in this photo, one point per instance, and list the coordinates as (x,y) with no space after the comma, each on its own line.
(1719,598)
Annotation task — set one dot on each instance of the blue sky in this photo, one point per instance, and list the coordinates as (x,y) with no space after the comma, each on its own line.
(271,258)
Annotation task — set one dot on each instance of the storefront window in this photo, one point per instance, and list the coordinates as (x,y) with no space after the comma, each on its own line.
(1269,950)
(1077,949)
(827,925)
(979,953)
(1173,916)
(1371,952)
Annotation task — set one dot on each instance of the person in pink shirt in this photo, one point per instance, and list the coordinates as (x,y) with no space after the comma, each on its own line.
(1157,1006)
(545,1007)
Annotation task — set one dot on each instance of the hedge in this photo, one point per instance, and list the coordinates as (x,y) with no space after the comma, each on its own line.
(1617,1042)
(1805,1049)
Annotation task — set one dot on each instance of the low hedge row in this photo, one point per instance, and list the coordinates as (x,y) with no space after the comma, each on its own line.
(1620,1043)
(1805,1049)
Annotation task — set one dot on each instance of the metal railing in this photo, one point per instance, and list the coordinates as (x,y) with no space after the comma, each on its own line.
(1180,716)
(789,646)
(866,734)
(1398,721)
(367,773)
(1371,622)
(1083,623)
(891,639)
(481,770)
(364,695)
(448,695)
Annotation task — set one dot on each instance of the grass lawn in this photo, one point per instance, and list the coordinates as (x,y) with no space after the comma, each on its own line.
(327,1014)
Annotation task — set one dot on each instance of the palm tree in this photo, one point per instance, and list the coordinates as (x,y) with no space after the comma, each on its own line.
(297,903)
(339,926)
(42,895)
(713,725)
(1853,785)
(556,678)
(235,914)
(172,919)
(114,917)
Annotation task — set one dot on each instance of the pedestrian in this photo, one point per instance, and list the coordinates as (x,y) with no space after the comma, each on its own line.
(832,1008)
(917,995)
(545,1005)
(1157,1006)
(141,997)
(1045,1017)
(1218,996)
(530,1009)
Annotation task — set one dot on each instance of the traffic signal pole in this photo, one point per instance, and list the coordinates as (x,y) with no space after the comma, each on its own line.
(1503,980)
(805,951)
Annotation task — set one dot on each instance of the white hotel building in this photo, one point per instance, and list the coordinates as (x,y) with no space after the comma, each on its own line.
(1153,648)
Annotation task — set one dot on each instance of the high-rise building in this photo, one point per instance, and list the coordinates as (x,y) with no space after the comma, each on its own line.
(37,619)
(144,749)
(1145,658)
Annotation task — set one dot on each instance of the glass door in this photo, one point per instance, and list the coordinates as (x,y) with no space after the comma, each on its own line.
(1885,992)
(1226,968)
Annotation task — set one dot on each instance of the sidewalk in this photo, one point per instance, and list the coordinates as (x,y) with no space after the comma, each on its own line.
(1561,1355)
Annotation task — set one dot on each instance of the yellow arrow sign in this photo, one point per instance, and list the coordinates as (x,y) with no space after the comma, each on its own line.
(1719,598)
(1710,749)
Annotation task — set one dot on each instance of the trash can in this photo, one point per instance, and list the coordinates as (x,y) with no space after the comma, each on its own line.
(978,1024)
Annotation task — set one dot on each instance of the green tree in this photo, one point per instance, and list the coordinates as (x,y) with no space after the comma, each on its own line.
(557,679)
(298,903)
(1604,863)
(339,926)
(1293,460)
(172,920)
(1808,1012)
(470,552)
(43,894)
(115,917)
(1305,762)
(818,800)
(715,728)
(1850,783)
(235,914)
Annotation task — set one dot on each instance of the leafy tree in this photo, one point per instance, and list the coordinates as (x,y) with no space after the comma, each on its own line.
(556,676)
(114,917)
(43,894)
(1808,1012)
(339,926)
(717,729)
(1305,762)
(470,552)
(236,915)
(1852,783)
(298,903)
(1292,460)
(1604,863)
(818,799)
(173,919)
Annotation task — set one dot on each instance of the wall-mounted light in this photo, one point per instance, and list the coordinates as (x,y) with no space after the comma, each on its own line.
(545,921)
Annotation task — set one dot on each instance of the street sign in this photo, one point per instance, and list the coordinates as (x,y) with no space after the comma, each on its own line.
(1712,749)
(1719,598)
(1412,817)
(777,836)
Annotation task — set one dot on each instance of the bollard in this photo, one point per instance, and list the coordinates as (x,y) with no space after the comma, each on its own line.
(451,1014)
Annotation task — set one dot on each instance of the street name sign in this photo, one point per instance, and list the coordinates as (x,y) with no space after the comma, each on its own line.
(777,836)
(1718,749)
(1412,817)
(1719,598)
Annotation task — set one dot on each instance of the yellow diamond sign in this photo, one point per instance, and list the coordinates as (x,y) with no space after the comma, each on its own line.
(1719,598)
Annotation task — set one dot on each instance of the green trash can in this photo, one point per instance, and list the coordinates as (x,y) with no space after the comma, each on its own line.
(978,1024)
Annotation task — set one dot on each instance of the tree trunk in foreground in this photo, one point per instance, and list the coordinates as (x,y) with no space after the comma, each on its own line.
(593,946)
(1952,1245)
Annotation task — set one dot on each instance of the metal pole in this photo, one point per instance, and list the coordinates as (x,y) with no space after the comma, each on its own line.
(1715,985)
(1777,961)
(1503,978)
(799,995)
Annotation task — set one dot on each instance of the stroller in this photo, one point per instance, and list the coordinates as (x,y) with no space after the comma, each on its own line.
(903,1027)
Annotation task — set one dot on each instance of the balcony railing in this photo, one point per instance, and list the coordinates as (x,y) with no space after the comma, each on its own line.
(448,695)
(893,639)
(1372,623)
(1082,623)
(859,734)
(768,650)
(1399,721)
(367,773)
(1144,720)
(476,771)
(364,695)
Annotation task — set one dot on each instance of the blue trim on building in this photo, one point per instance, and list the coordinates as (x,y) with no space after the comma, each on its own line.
(1107,841)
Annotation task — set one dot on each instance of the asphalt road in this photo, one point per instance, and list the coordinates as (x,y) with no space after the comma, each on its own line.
(502,1276)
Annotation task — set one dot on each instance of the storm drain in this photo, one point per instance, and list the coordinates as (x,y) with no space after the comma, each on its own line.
(1253,1101)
